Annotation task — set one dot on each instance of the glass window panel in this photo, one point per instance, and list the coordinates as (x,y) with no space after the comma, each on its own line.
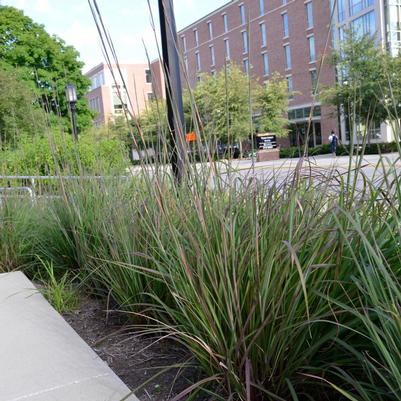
(285,25)
(309,15)
(263,34)
(287,55)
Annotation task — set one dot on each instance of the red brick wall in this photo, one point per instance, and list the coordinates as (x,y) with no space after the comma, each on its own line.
(297,39)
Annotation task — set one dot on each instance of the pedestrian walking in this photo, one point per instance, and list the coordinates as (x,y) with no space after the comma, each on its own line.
(333,139)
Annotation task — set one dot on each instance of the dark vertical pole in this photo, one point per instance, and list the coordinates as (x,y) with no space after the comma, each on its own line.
(74,121)
(175,109)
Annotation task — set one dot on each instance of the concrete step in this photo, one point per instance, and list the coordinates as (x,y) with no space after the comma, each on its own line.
(41,357)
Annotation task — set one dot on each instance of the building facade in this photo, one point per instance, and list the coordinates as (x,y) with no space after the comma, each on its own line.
(266,36)
(379,18)
(294,38)
(104,97)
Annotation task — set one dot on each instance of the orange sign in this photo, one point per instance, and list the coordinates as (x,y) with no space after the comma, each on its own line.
(191,137)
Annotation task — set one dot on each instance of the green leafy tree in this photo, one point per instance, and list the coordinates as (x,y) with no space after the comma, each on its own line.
(220,106)
(46,62)
(369,80)
(19,112)
(153,123)
(224,104)
(272,105)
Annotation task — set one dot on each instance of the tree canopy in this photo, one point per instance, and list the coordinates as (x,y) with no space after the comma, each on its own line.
(19,113)
(45,62)
(224,104)
(368,88)
(221,107)
(272,105)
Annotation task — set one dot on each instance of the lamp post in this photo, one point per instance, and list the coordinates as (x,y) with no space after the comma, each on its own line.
(71,94)
(175,109)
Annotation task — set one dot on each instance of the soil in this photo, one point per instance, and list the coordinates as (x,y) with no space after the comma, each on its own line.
(135,358)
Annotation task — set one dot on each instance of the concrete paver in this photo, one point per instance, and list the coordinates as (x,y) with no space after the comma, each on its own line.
(41,357)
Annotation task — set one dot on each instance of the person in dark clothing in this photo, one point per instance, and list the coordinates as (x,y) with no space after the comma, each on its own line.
(333,139)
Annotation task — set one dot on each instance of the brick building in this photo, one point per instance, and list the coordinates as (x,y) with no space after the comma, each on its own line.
(266,36)
(103,96)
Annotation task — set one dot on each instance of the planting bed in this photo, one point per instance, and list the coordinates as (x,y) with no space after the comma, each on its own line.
(135,359)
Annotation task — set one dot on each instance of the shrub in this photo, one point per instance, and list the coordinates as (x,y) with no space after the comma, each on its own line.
(342,150)
(57,153)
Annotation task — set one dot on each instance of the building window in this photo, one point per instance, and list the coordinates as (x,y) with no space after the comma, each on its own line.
(148,74)
(263,34)
(227,48)
(97,80)
(286,31)
(394,31)
(212,56)
(341,10)
(198,61)
(198,78)
(210,30)
(246,65)
(262,7)
(313,78)
(244,41)
(196,37)
(184,43)
(186,64)
(364,25)
(225,22)
(312,50)
(356,6)
(287,55)
(266,68)
(304,113)
(309,15)
(341,34)
(242,14)
(119,99)
(151,96)
(290,86)
(283,2)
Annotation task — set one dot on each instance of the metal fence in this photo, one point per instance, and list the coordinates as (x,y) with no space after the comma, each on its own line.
(36,187)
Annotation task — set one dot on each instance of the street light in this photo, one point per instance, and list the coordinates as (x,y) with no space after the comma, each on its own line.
(71,94)
(175,109)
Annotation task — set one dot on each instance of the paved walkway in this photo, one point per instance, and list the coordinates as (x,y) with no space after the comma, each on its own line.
(41,357)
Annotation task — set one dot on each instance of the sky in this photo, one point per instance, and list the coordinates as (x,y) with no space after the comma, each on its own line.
(128,22)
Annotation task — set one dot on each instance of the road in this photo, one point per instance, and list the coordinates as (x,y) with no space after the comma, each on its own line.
(323,165)
(235,171)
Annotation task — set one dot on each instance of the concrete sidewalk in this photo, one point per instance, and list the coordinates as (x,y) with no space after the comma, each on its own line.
(41,357)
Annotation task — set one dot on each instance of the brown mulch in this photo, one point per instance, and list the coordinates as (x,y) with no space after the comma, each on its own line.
(134,358)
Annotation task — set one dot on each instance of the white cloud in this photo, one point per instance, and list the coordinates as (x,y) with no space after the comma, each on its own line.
(84,38)
(43,6)
(20,4)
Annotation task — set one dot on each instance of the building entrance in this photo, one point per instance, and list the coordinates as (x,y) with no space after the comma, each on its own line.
(299,133)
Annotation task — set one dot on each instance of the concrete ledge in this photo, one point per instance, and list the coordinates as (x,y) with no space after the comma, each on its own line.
(41,357)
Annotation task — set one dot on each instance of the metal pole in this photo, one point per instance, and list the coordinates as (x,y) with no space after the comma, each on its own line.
(175,109)
(74,121)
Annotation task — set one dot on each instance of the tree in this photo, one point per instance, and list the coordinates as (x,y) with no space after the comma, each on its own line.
(224,104)
(43,61)
(19,112)
(272,105)
(368,81)
(221,107)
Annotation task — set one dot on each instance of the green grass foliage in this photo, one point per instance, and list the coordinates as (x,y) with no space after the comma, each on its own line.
(55,153)
(283,290)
